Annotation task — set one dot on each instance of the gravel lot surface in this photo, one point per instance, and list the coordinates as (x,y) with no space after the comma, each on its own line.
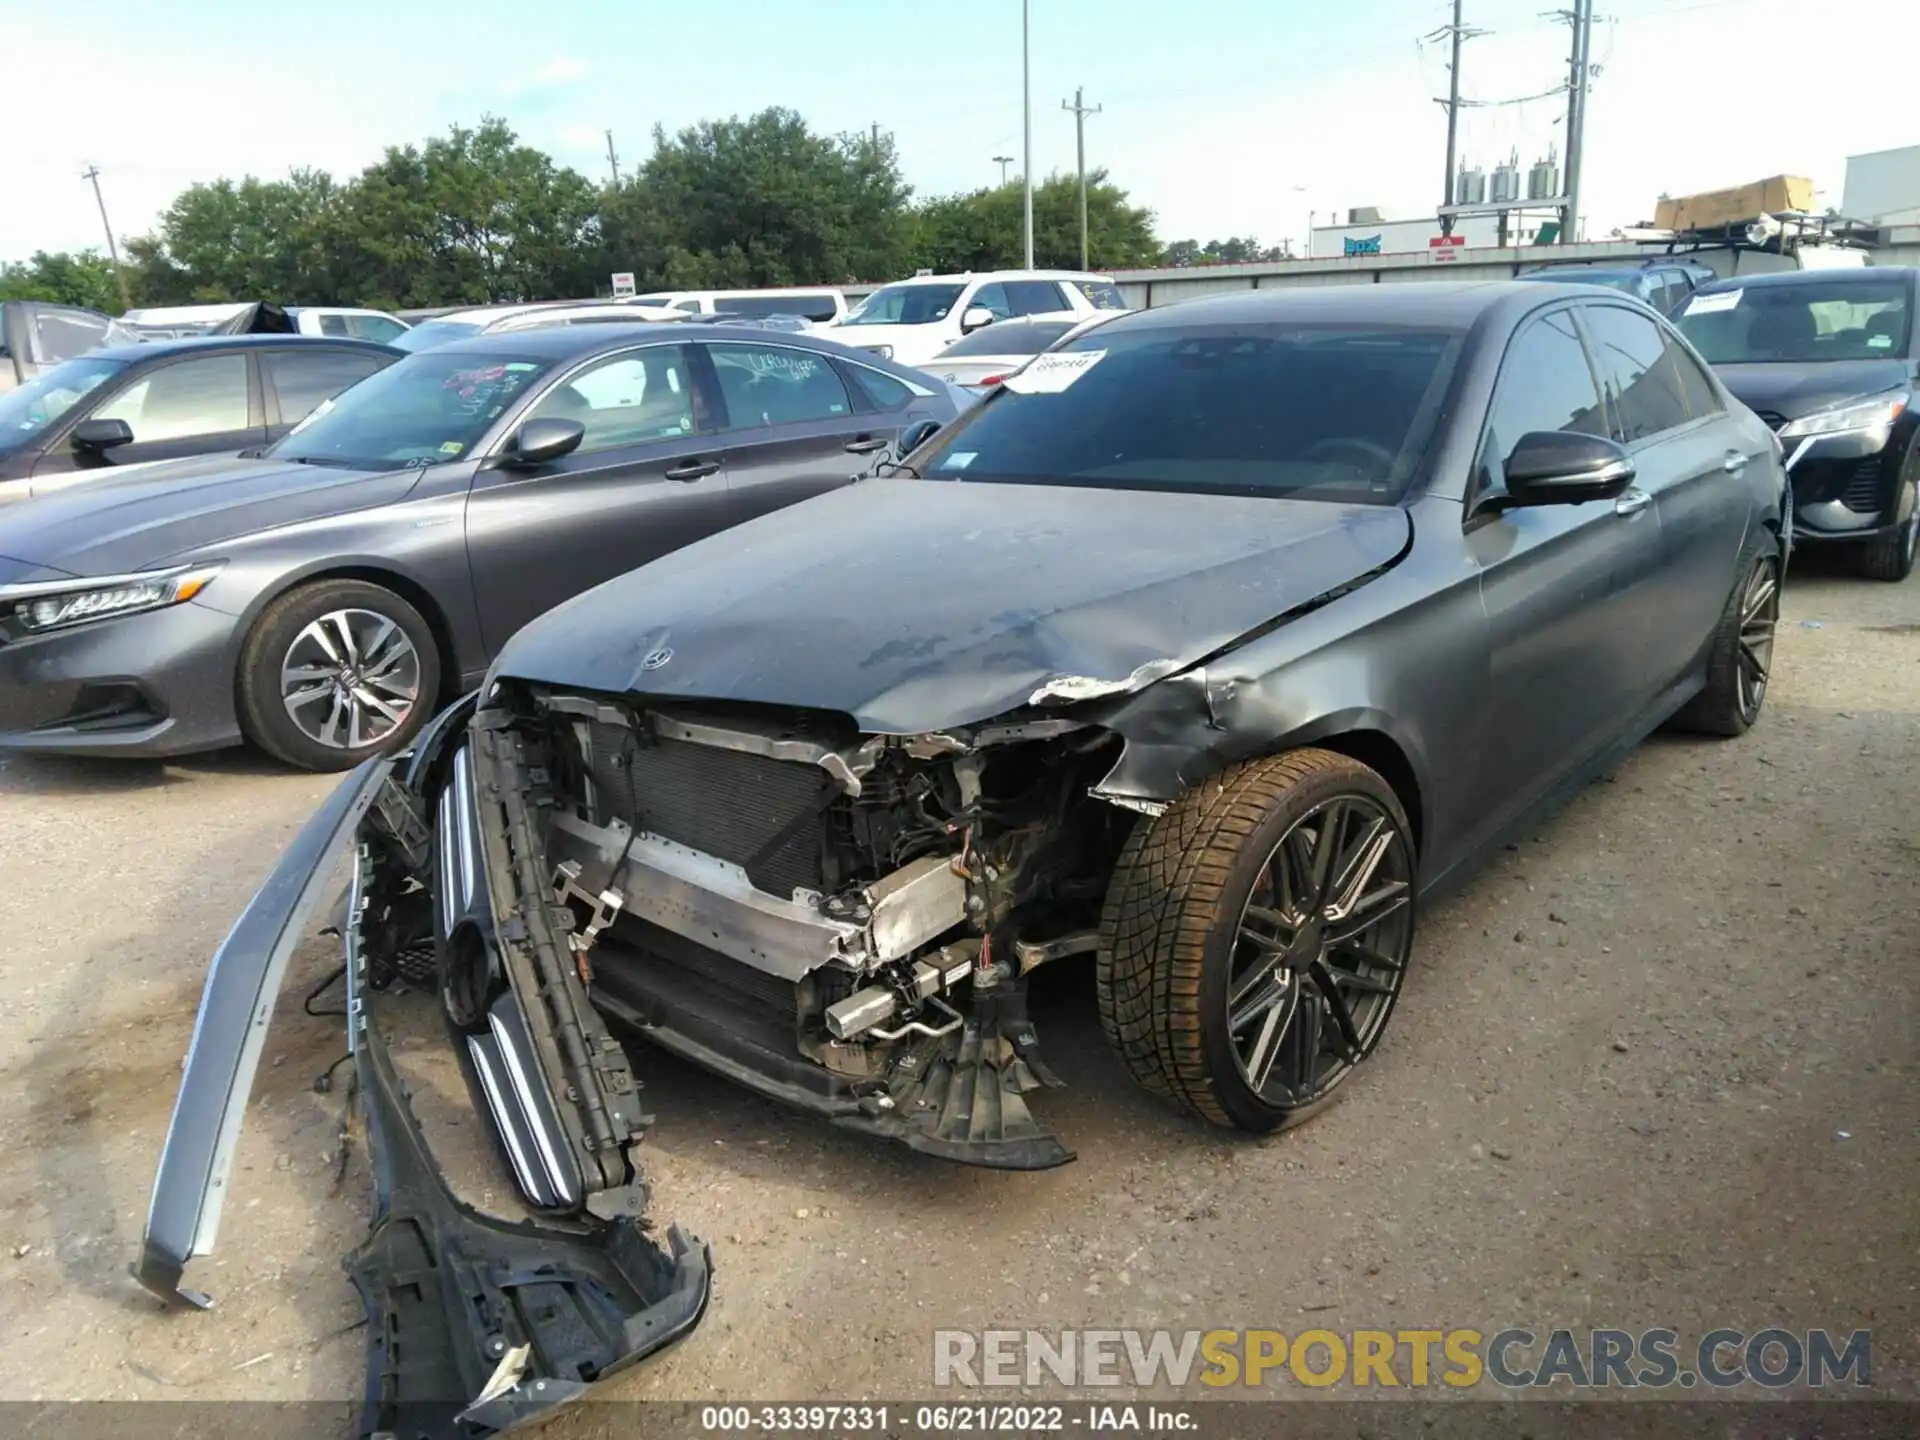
(1655,1066)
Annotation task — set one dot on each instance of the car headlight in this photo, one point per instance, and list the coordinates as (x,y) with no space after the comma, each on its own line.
(38,608)
(1872,414)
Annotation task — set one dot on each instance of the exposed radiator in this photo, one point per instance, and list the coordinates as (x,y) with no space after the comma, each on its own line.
(727,803)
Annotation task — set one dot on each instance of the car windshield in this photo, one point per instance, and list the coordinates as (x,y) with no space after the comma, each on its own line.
(417,411)
(1319,412)
(905,305)
(434,332)
(1788,324)
(1009,337)
(29,410)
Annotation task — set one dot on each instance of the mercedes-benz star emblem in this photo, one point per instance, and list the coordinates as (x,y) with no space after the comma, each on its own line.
(656,658)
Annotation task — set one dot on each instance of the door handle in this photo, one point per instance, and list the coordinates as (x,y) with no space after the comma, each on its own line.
(866,444)
(1734,463)
(693,470)
(1632,502)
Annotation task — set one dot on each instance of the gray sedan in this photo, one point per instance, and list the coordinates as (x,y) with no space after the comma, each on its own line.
(324,598)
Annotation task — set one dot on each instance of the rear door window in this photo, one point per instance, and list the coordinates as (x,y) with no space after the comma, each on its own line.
(773,385)
(382,328)
(1035,297)
(305,377)
(1639,372)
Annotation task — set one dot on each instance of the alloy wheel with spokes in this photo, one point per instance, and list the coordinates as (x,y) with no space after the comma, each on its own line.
(350,679)
(337,670)
(1759,618)
(1321,951)
(1255,937)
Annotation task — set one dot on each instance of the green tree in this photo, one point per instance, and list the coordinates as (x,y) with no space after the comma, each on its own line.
(983,230)
(470,217)
(83,277)
(247,240)
(759,201)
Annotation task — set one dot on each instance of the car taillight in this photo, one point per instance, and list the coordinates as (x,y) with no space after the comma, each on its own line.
(990,380)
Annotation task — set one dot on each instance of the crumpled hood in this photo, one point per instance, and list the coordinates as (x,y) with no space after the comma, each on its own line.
(118,524)
(918,605)
(1796,390)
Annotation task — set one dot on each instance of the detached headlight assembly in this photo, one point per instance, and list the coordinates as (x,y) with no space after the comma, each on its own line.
(39,608)
(1871,414)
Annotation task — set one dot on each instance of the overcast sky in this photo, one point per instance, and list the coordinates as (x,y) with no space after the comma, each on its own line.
(1225,116)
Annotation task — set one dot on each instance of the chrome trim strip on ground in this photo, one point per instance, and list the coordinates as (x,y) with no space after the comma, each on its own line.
(531,1109)
(523,1170)
(229,1033)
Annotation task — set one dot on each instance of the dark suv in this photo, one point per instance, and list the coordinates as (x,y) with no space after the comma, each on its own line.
(1830,360)
(1665,283)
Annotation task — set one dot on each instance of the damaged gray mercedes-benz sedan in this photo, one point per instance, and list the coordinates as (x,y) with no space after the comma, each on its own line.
(1207,646)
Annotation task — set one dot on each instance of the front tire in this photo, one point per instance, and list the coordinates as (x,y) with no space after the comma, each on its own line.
(335,672)
(1255,938)
(1891,556)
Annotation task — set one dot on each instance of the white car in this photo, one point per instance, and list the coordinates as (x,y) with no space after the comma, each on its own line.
(912,321)
(491,319)
(177,322)
(822,305)
(980,361)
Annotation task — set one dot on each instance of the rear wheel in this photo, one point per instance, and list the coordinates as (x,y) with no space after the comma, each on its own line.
(1256,936)
(1891,556)
(335,672)
(1741,660)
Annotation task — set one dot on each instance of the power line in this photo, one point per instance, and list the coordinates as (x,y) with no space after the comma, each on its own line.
(1457,33)
(1080,110)
(92,173)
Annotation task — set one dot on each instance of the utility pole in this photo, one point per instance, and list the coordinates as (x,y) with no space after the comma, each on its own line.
(613,160)
(1456,32)
(1080,113)
(92,173)
(1003,161)
(1026,127)
(876,134)
(1581,17)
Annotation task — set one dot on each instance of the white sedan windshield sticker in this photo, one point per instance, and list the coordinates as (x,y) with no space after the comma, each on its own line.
(1714,303)
(1050,374)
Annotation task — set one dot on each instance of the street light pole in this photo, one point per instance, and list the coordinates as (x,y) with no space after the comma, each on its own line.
(1026,126)
(1003,161)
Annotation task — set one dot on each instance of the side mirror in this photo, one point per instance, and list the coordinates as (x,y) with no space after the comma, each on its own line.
(1556,467)
(98,435)
(913,437)
(975,317)
(541,440)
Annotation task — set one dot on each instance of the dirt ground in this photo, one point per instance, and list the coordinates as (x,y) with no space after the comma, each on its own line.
(1655,1066)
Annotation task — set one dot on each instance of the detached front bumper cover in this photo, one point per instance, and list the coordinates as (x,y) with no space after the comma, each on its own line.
(474,1324)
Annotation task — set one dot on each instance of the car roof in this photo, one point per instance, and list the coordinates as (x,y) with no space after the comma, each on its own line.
(1783,278)
(154,349)
(965,277)
(566,342)
(1436,304)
